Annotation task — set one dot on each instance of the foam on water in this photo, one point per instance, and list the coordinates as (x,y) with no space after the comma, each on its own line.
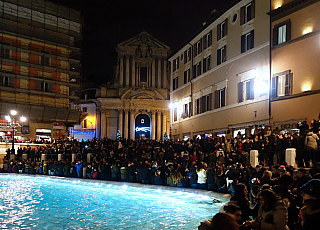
(41,202)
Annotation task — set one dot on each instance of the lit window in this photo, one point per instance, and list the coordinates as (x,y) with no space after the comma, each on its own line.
(282,32)
(281,84)
(220,98)
(246,90)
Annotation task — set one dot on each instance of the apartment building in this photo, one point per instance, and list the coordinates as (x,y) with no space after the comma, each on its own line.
(295,51)
(220,78)
(40,66)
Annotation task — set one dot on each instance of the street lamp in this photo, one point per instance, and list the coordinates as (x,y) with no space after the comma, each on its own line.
(12,123)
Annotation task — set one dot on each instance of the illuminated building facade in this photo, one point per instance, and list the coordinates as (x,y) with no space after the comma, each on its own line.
(295,52)
(40,65)
(137,101)
(220,78)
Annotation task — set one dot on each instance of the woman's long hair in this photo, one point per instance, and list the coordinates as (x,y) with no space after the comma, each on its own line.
(270,199)
(239,191)
(224,221)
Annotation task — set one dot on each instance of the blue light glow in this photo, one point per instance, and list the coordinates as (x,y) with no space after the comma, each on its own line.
(57,203)
(143,129)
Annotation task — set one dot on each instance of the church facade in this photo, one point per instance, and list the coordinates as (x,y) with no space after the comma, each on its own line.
(137,102)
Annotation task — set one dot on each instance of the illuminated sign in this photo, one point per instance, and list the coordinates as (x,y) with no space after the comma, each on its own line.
(143,129)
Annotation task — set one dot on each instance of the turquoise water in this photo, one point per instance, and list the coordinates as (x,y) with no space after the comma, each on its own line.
(42,202)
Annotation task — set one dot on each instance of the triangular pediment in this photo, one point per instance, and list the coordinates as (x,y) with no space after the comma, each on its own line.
(142,94)
(144,39)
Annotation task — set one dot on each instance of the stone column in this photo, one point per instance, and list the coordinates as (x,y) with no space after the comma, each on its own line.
(133,67)
(104,123)
(153,72)
(153,125)
(159,126)
(127,70)
(132,127)
(149,75)
(121,71)
(126,124)
(138,76)
(98,124)
(164,123)
(164,73)
(159,72)
(121,122)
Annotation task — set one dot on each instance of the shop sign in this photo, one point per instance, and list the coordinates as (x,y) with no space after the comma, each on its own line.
(58,134)
(58,125)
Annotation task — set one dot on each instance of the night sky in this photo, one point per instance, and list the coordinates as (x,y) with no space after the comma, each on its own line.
(108,23)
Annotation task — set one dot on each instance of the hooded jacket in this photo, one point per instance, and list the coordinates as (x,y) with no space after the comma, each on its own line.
(310,142)
(277,218)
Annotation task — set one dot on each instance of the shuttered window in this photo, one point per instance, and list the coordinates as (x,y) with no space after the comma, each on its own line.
(247,12)
(222,29)
(175,83)
(207,40)
(7,81)
(187,55)
(175,64)
(220,98)
(198,48)
(281,33)
(197,70)
(247,41)
(221,55)
(246,90)
(186,77)
(206,64)
(281,84)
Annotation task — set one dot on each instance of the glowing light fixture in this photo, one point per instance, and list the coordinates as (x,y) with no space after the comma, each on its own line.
(13,112)
(307,30)
(23,119)
(261,83)
(306,87)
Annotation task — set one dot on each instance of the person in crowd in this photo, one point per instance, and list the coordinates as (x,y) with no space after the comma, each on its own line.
(311,201)
(272,213)
(220,221)
(283,190)
(240,198)
(79,168)
(202,178)
(311,145)
(235,211)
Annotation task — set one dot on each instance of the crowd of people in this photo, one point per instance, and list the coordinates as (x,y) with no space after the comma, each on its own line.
(219,164)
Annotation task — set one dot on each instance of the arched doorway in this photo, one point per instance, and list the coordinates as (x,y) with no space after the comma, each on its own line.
(142,125)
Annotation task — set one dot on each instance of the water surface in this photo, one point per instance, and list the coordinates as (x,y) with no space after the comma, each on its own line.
(43,202)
